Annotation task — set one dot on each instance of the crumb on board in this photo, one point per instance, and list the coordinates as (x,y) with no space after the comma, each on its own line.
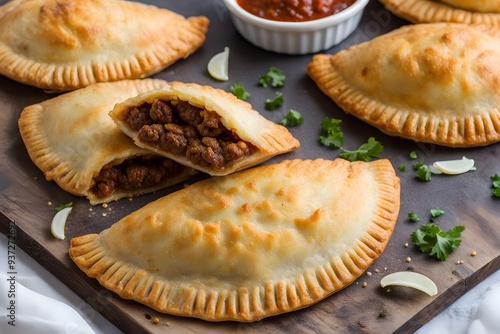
(473,253)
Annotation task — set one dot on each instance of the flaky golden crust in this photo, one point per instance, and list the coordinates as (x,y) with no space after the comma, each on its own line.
(236,115)
(435,83)
(71,137)
(68,44)
(458,11)
(260,242)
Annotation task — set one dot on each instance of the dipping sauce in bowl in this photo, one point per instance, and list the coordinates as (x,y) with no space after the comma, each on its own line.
(294,10)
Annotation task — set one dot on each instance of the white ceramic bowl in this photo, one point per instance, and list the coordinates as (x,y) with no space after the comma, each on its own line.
(296,37)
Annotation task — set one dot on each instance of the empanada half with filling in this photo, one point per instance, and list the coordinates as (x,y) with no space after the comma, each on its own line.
(68,44)
(260,242)
(458,11)
(72,139)
(436,83)
(202,127)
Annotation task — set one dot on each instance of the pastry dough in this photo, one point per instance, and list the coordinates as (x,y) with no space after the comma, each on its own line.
(435,83)
(253,244)
(62,45)
(202,127)
(72,139)
(458,11)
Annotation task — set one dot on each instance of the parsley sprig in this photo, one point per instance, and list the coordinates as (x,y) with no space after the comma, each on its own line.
(431,239)
(332,136)
(367,151)
(293,118)
(495,185)
(273,76)
(240,92)
(276,102)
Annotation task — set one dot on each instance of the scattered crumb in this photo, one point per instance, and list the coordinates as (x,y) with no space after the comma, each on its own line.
(90,209)
(406,245)
(130,199)
(104,214)
(368,273)
(460,262)
(49,203)
(364,285)
(376,270)
(105,205)
(156,320)
(473,253)
(385,268)
(408,259)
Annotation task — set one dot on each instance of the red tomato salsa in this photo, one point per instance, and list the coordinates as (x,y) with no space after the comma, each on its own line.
(294,10)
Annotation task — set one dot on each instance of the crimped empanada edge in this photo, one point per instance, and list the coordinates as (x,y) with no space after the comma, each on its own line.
(425,11)
(402,123)
(60,78)
(248,303)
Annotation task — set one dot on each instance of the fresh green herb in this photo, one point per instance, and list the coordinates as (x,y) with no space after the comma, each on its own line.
(293,118)
(272,104)
(275,76)
(367,151)
(240,92)
(431,239)
(413,155)
(436,212)
(413,216)
(382,313)
(423,171)
(332,137)
(402,168)
(495,185)
(63,206)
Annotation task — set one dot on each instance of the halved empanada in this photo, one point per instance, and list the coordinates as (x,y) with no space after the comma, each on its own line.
(435,83)
(458,11)
(72,139)
(202,127)
(253,244)
(68,44)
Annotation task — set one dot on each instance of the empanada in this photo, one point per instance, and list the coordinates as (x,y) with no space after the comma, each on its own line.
(253,244)
(458,11)
(202,127)
(72,139)
(436,83)
(68,44)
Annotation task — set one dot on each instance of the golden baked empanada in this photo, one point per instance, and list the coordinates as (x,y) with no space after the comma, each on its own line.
(72,139)
(435,83)
(202,127)
(458,11)
(253,244)
(62,45)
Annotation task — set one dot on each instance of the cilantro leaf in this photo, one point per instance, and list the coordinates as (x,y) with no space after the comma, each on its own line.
(413,155)
(423,171)
(413,216)
(63,206)
(293,118)
(367,151)
(431,239)
(402,168)
(275,76)
(240,92)
(436,212)
(495,185)
(332,137)
(272,104)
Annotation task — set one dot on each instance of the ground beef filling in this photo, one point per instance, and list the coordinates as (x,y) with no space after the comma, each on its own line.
(138,173)
(183,129)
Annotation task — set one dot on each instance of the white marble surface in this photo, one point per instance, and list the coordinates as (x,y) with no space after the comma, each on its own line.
(44,305)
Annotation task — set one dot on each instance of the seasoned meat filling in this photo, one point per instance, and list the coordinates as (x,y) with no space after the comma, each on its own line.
(183,129)
(141,172)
